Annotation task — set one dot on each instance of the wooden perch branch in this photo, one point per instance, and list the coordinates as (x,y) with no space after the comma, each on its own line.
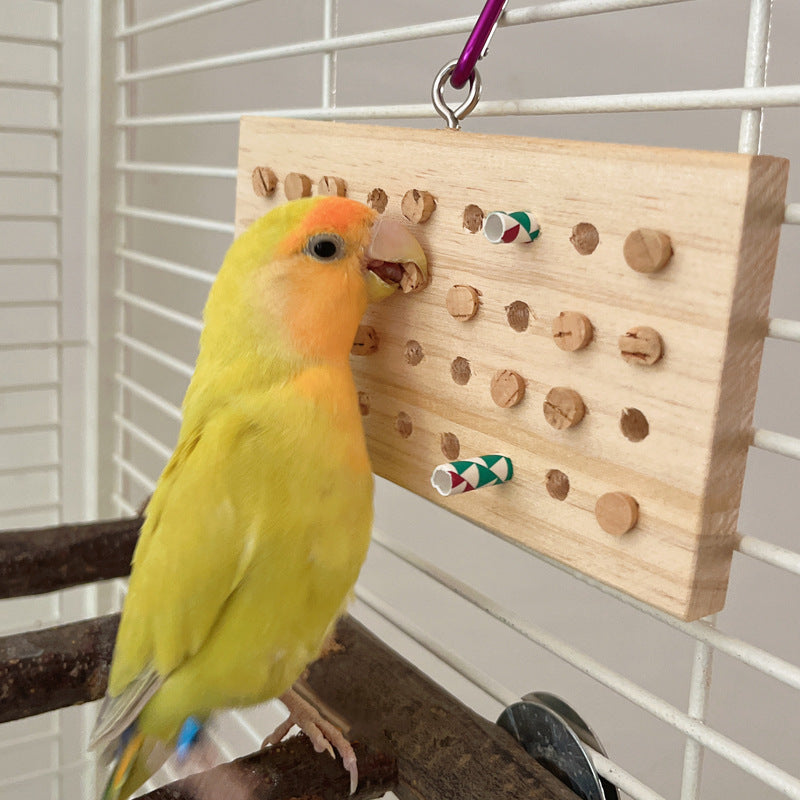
(443,750)
(290,770)
(403,722)
(47,559)
(56,667)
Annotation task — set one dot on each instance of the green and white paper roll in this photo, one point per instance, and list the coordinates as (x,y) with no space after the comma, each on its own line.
(517,226)
(457,477)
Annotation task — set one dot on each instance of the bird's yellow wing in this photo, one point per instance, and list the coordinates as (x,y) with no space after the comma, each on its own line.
(196,544)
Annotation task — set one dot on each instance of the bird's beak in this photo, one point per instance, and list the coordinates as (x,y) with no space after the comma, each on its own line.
(394,260)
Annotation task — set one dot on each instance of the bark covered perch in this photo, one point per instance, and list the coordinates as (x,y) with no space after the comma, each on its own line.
(56,667)
(47,559)
(290,770)
(443,750)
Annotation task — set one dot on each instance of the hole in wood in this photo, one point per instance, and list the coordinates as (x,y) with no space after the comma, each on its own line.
(414,352)
(403,424)
(634,424)
(377,199)
(585,238)
(518,315)
(366,342)
(460,371)
(557,484)
(363,403)
(450,445)
(473,218)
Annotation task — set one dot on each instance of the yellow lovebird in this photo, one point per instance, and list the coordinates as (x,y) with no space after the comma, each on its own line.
(260,522)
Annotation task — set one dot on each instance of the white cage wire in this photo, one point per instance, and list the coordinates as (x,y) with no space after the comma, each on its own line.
(48,365)
(105,270)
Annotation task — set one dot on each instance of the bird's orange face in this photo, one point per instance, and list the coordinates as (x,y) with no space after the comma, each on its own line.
(339,257)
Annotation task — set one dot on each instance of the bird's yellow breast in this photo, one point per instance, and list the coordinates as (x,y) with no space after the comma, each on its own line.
(294,501)
(333,391)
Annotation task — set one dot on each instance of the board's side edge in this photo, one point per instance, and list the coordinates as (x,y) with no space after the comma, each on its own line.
(759,235)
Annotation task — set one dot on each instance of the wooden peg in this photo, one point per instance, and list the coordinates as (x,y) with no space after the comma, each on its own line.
(647,250)
(462,302)
(641,345)
(508,388)
(414,352)
(332,186)
(572,330)
(363,403)
(617,512)
(417,206)
(264,181)
(296,185)
(413,279)
(563,408)
(366,341)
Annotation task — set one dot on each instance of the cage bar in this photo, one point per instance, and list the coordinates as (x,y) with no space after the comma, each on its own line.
(547,11)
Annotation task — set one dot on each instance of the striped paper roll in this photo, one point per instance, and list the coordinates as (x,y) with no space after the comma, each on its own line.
(456,477)
(516,226)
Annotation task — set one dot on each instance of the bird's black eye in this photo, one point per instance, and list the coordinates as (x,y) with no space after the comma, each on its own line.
(325,247)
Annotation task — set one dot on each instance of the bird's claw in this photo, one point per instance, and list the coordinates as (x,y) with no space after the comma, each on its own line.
(324,736)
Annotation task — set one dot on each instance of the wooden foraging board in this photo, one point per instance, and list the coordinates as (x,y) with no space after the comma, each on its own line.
(722,213)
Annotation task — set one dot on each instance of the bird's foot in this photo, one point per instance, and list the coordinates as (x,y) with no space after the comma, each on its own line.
(323,734)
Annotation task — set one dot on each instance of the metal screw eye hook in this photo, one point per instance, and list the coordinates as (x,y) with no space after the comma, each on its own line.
(451,117)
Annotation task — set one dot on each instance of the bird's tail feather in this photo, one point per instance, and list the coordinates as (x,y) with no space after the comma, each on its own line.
(122,765)
(137,758)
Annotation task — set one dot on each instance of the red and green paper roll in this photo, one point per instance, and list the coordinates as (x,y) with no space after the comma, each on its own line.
(516,226)
(456,477)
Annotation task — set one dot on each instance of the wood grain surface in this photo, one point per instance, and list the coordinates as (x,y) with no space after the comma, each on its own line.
(708,304)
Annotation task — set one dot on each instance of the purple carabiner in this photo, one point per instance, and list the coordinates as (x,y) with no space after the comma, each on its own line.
(478,42)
